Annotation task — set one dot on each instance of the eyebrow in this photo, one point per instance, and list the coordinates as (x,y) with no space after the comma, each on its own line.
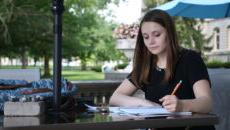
(151,32)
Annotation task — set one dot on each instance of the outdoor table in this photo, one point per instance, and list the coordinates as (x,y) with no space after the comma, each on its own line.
(102,121)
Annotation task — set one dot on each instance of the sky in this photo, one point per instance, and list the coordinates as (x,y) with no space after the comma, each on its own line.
(126,12)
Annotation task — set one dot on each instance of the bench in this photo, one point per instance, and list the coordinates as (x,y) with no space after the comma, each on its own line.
(20,74)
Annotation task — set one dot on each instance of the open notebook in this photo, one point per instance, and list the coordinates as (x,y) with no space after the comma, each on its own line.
(140,111)
(150,111)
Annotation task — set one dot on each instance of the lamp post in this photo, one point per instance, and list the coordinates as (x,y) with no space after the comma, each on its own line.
(57,9)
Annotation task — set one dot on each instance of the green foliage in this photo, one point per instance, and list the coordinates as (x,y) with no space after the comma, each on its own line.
(5,16)
(153,3)
(29,25)
(70,73)
(96,68)
(218,64)
(86,34)
(30,29)
(105,48)
(121,66)
(226,65)
(75,75)
(189,36)
(214,64)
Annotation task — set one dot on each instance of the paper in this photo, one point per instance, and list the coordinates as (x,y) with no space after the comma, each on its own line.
(140,111)
(150,111)
(95,109)
(91,108)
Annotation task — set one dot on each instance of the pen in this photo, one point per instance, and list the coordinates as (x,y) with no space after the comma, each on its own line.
(177,86)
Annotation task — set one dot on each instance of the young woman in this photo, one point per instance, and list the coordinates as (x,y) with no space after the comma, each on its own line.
(159,65)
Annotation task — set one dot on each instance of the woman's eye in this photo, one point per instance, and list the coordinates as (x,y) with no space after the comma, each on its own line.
(146,37)
(157,35)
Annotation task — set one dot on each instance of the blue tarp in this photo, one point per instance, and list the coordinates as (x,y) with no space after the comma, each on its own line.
(66,89)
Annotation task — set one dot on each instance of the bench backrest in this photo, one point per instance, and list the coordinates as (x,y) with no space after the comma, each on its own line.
(20,74)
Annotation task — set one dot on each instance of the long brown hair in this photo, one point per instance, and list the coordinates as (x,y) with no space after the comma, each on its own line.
(144,60)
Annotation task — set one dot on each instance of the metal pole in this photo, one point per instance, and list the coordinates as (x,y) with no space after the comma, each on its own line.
(57,9)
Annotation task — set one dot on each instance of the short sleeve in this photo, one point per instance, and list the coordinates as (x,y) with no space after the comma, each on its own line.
(130,79)
(195,68)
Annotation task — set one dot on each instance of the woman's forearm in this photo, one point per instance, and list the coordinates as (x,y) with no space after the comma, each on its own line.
(124,100)
(200,105)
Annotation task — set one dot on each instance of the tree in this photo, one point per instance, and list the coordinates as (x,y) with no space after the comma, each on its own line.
(31,30)
(26,27)
(106,48)
(5,17)
(91,31)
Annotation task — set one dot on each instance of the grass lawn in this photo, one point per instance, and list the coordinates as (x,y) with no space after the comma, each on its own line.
(74,75)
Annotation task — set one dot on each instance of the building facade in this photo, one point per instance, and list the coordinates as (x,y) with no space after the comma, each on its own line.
(219,32)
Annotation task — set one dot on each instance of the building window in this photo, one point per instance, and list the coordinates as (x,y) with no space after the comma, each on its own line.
(228,36)
(217,38)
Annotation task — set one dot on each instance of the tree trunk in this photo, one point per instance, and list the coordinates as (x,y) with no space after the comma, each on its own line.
(24,60)
(11,61)
(83,64)
(46,67)
(35,61)
(0,62)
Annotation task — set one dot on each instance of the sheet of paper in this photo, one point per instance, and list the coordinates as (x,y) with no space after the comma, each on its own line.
(139,111)
(91,108)
(150,111)
(95,109)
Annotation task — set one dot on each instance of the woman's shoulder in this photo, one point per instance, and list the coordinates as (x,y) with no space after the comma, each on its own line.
(189,54)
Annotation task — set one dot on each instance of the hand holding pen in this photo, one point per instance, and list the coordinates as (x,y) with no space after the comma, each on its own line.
(171,102)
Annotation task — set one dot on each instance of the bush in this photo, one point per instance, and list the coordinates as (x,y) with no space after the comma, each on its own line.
(226,65)
(215,64)
(96,68)
(121,66)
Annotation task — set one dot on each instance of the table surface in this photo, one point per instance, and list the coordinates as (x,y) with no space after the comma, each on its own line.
(101,121)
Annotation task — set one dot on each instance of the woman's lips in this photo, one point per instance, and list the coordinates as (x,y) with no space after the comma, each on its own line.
(153,47)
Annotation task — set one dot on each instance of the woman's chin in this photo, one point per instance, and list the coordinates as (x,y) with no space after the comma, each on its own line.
(155,52)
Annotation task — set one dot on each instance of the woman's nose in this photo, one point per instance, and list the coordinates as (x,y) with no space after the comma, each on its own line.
(152,40)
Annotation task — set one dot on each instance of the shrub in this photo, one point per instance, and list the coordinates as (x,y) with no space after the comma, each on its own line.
(121,66)
(215,64)
(96,68)
(226,65)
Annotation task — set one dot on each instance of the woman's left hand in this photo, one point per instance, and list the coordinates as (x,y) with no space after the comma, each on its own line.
(171,103)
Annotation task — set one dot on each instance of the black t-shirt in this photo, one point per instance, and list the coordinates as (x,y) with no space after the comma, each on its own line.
(190,68)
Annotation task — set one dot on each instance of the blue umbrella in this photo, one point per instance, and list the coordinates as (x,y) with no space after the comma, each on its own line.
(197,8)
